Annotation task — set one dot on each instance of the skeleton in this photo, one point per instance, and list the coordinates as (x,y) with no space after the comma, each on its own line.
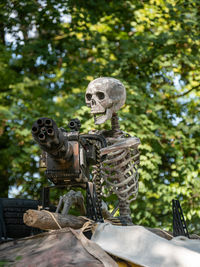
(119,170)
(105,96)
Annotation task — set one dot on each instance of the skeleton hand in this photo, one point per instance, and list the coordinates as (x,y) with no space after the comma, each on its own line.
(71,198)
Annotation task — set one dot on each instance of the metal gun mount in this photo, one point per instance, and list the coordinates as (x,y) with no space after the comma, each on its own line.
(68,156)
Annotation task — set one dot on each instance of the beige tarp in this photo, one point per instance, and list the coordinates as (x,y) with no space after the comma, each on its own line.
(138,245)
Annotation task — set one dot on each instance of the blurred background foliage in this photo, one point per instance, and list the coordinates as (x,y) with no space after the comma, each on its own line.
(50,50)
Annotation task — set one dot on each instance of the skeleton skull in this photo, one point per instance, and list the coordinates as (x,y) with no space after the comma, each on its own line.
(105,96)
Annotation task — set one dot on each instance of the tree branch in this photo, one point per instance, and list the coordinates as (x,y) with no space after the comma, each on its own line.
(185,93)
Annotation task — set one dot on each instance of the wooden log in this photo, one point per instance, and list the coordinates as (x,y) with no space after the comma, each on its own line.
(45,220)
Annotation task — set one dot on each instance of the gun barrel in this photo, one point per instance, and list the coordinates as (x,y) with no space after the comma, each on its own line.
(50,132)
(41,137)
(35,129)
(72,124)
(48,122)
(40,122)
(50,138)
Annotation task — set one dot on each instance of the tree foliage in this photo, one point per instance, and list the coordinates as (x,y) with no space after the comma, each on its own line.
(50,50)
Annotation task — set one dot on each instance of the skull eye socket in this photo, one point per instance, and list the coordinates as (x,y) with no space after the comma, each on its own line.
(89,97)
(100,95)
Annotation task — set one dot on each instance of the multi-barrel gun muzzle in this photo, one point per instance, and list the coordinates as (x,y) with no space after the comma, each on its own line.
(50,138)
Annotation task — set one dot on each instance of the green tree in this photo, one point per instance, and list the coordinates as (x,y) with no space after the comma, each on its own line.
(151,46)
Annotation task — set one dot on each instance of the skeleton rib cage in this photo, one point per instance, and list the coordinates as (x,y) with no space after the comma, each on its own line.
(120,171)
